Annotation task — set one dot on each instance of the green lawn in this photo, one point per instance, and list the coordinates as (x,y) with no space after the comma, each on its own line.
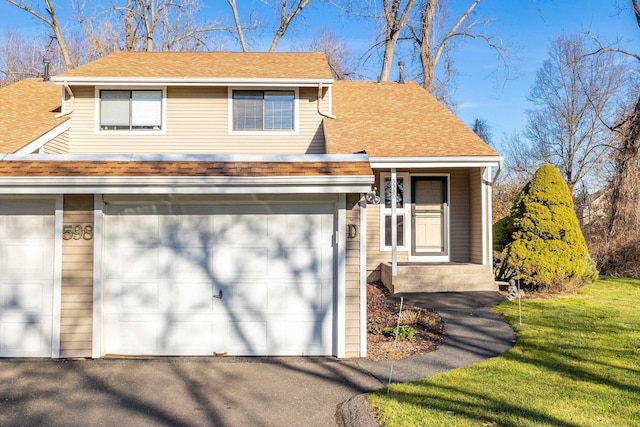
(576,363)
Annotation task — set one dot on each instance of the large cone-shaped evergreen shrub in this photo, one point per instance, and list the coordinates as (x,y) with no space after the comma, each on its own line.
(545,244)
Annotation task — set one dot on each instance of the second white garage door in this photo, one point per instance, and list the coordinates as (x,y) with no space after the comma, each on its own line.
(200,279)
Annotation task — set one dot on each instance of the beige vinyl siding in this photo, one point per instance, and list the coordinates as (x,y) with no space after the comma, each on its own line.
(352,291)
(459,227)
(475,200)
(58,145)
(197,122)
(77,281)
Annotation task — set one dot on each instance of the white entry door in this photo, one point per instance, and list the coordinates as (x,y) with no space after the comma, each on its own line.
(26,277)
(200,279)
(429,216)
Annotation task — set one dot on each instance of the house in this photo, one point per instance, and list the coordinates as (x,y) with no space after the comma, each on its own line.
(227,203)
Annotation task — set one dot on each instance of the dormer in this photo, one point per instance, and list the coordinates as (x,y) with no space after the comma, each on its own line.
(213,102)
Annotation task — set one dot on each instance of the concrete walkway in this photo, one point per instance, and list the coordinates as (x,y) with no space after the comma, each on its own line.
(473,333)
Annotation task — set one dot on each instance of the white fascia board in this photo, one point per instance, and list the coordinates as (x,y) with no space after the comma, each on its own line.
(186,185)
(39,142)
(191,81)
(435,162)
(223,158)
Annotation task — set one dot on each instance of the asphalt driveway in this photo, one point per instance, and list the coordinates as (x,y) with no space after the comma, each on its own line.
(185,392)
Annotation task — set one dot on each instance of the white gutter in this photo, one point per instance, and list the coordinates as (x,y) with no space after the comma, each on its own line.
(185,185)
(434,162)
(191,81)
(328,115)
(495,178)
(222,158)
(72,99)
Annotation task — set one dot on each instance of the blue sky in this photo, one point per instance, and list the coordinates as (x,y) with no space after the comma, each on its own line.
(529,25)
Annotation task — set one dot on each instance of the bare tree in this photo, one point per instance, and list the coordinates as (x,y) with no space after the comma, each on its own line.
(50,18)
(286,12)
(21,58)
(433,49)
(624,216)
(337,51)
(395,15)
(482,129)
(147,25)
(574,95)
(239,29)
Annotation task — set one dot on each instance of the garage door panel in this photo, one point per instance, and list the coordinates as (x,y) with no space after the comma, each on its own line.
(192,263)
(26,277)
(25,335)
(136,263)
(246,296)
(192,296)
(139,296)
(132,335)
(249,338)
(23,296)
(271,263)
(186,230)
(191,337)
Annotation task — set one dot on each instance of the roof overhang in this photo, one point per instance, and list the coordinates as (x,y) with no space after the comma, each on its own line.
(436,162)
(47,137)
(176,183)
(191,81)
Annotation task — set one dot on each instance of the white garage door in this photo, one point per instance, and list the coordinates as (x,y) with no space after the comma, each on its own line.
(198,280)
(26,277)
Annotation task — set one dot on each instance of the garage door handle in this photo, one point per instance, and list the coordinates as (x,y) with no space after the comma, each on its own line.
(219,296)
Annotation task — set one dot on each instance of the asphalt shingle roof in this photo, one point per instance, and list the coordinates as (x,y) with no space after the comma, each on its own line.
(79,168)
(27,111)
(248,65)
(396,120)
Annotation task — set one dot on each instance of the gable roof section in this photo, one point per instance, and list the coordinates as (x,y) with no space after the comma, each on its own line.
(396,120)
(203,65)
(27,112)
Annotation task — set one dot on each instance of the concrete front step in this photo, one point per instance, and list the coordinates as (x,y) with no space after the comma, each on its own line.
(439,278)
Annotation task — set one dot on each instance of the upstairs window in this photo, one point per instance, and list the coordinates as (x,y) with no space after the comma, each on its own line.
(130,110)
(255,110)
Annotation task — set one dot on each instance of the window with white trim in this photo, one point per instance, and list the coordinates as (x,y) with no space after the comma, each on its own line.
(385,208)
(130,109)
(262,110)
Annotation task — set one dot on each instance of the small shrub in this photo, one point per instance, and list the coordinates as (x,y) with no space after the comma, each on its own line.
(409,317)
(402,332)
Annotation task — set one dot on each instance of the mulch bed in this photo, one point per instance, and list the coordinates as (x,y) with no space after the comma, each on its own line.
(427,324)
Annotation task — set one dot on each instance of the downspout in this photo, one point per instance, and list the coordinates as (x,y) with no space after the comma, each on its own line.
(495,178)
(72,99)
(322,113)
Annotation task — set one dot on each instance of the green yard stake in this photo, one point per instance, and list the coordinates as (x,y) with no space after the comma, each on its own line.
(395,343)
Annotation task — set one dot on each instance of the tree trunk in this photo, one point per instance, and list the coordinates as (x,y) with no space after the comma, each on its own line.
(624,192)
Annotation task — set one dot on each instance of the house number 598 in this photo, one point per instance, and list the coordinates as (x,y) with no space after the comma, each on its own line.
(77,232)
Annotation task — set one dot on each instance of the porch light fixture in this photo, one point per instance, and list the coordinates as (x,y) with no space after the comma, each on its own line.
(372,198)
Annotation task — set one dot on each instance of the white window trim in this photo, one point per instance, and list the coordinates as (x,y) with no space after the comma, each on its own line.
(384,211)
(447,222)
(296,112)
(124,132)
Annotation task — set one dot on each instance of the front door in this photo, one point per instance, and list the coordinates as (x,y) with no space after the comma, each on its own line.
(428,216)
